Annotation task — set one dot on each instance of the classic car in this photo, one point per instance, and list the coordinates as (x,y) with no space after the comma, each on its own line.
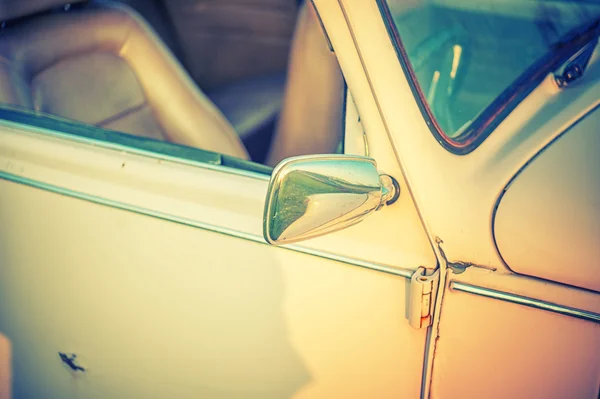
(288,199)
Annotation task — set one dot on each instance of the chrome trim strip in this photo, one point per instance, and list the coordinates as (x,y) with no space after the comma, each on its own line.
(131,150)
(522,300)
(201,225)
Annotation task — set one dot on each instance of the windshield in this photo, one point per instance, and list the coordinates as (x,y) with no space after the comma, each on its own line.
(465,55)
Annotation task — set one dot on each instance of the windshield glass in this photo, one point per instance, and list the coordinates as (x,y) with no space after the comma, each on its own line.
(465,53)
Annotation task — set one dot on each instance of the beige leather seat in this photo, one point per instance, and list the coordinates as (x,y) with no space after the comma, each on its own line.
(102,65)
(309,102)
(311,118)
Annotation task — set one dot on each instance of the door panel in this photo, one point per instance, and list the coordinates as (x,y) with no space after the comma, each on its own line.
(547,223)
(157,309)
(154,273)
(228,40)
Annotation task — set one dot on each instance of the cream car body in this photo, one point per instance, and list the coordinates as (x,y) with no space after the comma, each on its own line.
(153,270)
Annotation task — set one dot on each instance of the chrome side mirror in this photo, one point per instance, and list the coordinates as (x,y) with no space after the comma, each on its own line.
(313,195)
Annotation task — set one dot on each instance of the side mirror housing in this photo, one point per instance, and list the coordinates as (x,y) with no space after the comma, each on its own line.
(313,195)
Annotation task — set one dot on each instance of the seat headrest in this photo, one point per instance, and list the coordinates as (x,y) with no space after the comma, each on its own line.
(11,9)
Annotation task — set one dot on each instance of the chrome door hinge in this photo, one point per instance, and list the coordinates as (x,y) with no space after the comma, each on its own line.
(423,289)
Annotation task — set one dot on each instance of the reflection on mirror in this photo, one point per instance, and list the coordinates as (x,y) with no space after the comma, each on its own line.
(313,195)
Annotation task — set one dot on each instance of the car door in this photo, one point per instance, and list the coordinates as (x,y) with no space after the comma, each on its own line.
(512,210)
(134,268)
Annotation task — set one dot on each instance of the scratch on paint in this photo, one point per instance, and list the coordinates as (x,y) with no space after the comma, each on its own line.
(71,361)
(459,266)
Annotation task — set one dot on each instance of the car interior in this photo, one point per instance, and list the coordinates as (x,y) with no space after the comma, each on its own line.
(254,80)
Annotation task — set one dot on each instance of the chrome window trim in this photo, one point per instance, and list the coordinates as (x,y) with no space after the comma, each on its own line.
(131,150)
(525,301)
(406,273)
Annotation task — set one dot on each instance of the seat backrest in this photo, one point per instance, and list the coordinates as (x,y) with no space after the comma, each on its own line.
(102,64)
(311,118)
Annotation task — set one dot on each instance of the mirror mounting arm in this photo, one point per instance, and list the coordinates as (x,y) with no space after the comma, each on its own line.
(390,190)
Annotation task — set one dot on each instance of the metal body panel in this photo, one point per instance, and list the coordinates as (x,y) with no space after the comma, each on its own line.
(548,220)
(499,348)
